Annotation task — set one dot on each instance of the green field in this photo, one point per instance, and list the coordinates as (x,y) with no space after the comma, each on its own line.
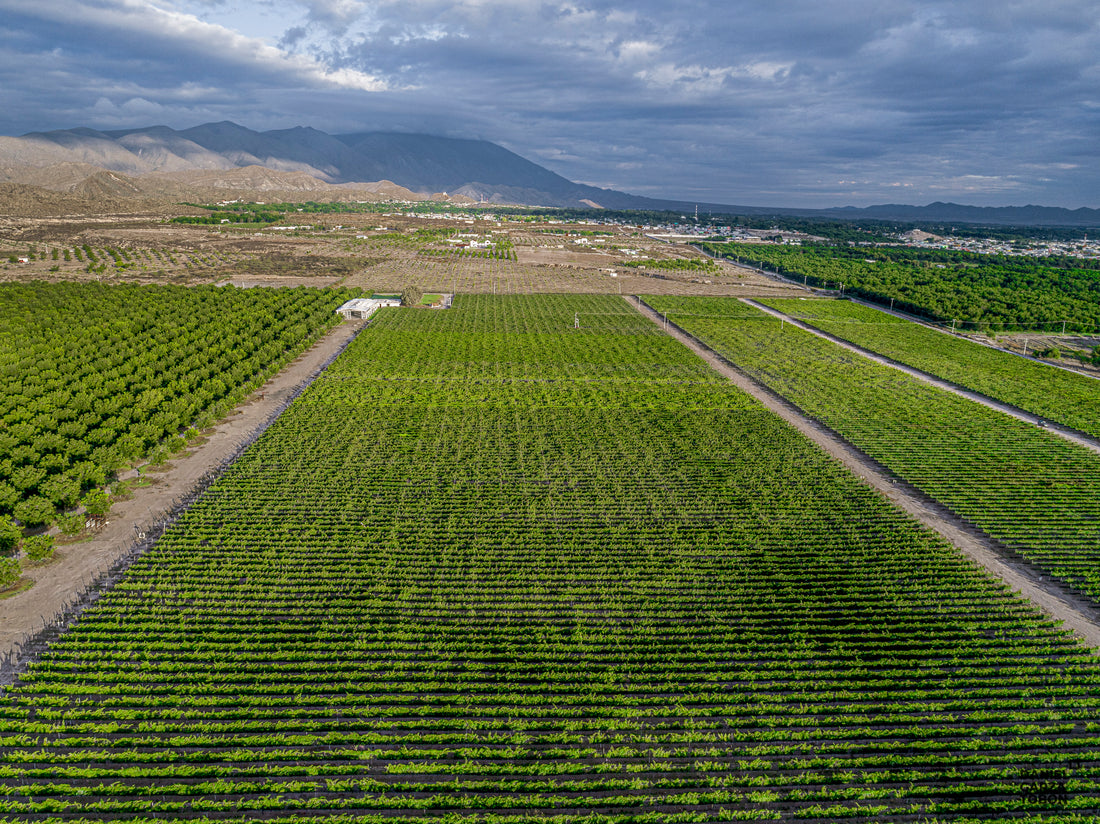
(988,292)
(93,377)
(493,568)
(1047,392)
(1030,489)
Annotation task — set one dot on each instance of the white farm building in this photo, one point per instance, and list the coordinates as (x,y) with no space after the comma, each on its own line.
(363,308)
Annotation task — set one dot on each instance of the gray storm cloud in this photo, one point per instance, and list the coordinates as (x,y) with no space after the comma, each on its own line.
(795,103)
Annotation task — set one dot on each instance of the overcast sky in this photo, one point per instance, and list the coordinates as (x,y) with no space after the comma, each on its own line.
(783,103)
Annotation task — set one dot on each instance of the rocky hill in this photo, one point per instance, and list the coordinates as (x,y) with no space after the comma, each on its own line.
(159,161)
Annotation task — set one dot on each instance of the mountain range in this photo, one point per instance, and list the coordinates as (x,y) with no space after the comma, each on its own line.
(158,161)
(148,159)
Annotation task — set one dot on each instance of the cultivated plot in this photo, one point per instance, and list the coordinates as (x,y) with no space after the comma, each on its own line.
(495,566)
(1036,493)
(1048,392)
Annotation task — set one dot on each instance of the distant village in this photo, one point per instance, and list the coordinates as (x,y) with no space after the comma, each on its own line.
(689,229)
(1083,248)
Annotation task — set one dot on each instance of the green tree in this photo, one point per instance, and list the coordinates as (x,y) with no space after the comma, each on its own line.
(10,536)
(97,503)
(35,511)
(62,490)
(39,547)
(9,497)
(27,477)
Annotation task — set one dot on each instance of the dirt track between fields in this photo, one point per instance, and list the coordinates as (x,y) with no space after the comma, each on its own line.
(74,566)
(1071,435)
(1078,615)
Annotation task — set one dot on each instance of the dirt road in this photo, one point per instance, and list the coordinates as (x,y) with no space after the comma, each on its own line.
(74,566)
(1072,435)
(1056,602)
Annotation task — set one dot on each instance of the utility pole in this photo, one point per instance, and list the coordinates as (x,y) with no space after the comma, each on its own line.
(576,320)
(952,326)
(1063,327)
(1025,346)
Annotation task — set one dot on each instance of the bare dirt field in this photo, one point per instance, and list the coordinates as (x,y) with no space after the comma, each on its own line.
(373,251)
(1044,347)
(74,566)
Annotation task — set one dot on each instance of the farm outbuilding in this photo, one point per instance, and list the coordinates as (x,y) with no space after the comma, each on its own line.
(363,308)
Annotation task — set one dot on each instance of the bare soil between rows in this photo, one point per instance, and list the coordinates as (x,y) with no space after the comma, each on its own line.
(1051,599)
(75,566)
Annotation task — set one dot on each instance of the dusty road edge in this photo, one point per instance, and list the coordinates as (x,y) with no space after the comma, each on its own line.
(64,588)
(1053,600)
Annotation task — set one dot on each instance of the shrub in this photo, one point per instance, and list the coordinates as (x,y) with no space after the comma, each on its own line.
(97,503)
(39,547)
(10,536)
(71,524)
(9,573)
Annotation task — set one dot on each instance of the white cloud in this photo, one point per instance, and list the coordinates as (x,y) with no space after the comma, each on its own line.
(632,51)
(690,79)
(216,43)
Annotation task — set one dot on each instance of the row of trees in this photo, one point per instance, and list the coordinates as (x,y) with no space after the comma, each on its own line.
(990,292)
(94,377)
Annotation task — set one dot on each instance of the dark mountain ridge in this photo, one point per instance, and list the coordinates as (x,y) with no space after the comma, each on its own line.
(422,163)
(475,169)
(1029,215)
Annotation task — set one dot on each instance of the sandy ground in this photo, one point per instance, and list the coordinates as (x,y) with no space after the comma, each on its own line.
(1056,602)
(357,254)
(74,566)
(1072,435)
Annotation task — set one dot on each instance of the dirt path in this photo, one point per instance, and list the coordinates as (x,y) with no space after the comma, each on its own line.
(64,579)
(1077,614)
(897,313)
(1072,435)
